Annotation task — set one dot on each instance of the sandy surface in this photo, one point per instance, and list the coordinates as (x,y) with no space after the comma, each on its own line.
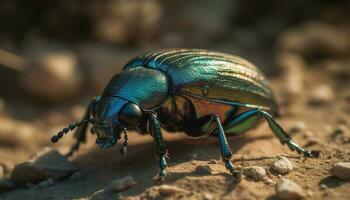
(258,147)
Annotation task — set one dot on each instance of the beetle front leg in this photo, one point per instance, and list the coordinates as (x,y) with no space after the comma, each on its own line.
(156,132)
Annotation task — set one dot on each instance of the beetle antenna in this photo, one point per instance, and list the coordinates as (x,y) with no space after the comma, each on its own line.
(124,148)
(71,127)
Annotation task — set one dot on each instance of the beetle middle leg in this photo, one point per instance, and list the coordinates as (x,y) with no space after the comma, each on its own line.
(156,132)
(207,125)
(242,122)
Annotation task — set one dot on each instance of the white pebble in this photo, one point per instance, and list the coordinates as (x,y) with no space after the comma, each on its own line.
(255,172)
(321,94)
(287,189)
(169,189)
(341,170)
(282,165)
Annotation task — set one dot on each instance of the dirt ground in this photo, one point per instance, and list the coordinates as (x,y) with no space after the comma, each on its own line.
(258,147)
(55,56)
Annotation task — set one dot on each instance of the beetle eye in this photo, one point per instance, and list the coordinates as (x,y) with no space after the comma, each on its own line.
(130,114)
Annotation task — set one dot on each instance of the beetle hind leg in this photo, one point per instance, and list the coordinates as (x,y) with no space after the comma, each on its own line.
(242,119)
(285,138)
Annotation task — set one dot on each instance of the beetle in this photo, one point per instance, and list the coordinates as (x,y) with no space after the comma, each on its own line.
(198,92)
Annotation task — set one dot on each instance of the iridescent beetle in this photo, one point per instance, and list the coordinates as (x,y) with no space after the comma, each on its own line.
(198,92)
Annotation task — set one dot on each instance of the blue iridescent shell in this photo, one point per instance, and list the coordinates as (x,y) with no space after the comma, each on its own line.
(214,76)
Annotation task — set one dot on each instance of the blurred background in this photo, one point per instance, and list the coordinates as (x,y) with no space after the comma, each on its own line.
(56,55)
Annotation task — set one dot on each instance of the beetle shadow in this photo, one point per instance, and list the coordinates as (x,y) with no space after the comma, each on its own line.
(106,165)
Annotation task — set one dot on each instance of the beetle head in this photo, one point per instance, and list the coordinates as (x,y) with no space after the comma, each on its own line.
(111,116)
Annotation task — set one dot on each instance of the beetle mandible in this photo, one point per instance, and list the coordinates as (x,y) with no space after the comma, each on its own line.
(198,92)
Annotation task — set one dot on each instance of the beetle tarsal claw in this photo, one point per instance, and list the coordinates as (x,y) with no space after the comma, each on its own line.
(237,175)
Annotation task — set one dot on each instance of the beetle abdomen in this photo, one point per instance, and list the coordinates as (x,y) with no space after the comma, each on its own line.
(213,76)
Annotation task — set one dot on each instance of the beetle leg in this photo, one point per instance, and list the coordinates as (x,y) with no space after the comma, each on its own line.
(80,133)
(242,121)
(156,133)
(225,149)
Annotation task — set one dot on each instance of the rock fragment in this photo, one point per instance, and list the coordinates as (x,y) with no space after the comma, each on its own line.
(203,170)
(288,190)
(169,189)
(298,127)
(321,95)
(255,172)
(341,170)
(46,164)
(54,65)
(123,183)
(208,196)
(282,165)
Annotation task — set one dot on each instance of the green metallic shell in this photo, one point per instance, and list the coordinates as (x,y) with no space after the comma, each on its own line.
(213,76)
(145,87)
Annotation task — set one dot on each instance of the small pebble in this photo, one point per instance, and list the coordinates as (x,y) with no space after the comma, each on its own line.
(321,95)
(255,172)
(268,181)
(310,193)
(341,170)
(323,186)
(287,189)
(6,184)
(282,165)
(46,164)
(169,189)
(298,127)
(203,170)
(208,196)
(123,183)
